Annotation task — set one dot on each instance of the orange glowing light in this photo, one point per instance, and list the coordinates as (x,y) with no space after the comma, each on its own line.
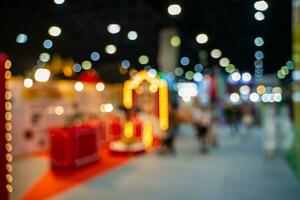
(134,83)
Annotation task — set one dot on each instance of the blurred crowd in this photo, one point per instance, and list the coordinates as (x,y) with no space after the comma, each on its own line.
(243,120)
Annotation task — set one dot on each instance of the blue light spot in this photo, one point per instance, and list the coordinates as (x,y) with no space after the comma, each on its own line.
(185,61)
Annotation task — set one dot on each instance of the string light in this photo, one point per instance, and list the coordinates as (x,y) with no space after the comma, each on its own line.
(8,127)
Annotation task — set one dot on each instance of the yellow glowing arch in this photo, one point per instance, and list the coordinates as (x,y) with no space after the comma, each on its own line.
(155,84)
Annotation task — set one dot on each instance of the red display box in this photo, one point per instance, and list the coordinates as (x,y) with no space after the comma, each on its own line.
(114,127)
(73,147)
(101,130)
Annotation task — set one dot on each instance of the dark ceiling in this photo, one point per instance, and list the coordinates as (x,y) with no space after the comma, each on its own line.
(229,24)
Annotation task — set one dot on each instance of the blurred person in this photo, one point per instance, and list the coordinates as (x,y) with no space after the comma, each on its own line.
(201,120)
(168,145)
(213,129)
(247,120)
(269,130)
(286,130)
(232,118)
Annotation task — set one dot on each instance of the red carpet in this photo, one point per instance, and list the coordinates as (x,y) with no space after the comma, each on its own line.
(54,182)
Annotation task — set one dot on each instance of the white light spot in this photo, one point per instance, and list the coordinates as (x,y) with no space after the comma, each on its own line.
(42,75)
(132,35)
(78,86)
(54,31)
(174,9)
(202,38)
(28,83)
(110,49)
(113,28)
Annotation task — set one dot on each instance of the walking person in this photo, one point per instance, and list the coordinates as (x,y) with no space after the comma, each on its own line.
(201,121)
(168,145)
(247,121)
(213,128)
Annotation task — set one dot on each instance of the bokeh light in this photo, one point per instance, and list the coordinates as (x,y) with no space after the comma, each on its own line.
(244,89)
(125,64)
(175,41)
(261,89)
(296,75)
(224,62)
(100,87)
(42,75)
(202,38)
(198,77)
(236,76)
(285,70)
(234,97)
(113,28)
(67,71)
(152,73)
(259,16)
(45,57)
(265,97)
(280,74)
(259,41)
(28,82)
(258,63)
(76,67)
(259,55)
(185,61)
(174,9)
(147,67)
(54,31)
(110,49)
(290,64)
(261,5)
(78,86)
(59,1)
(230,68)
(86,65)
(59,110)
(277,90)
(132,35)
(216,53)
(47,44)
(277,97)
(143,59)
(178,71)
(108,107)
(189,75)
(95,56)
(198,68)
(254,97)
(246,77)
(21,38)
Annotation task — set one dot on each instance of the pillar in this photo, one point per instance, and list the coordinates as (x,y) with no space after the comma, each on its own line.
(167,54)
(296,83)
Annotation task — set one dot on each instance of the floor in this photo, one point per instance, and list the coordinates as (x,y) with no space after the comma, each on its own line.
(237,170)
